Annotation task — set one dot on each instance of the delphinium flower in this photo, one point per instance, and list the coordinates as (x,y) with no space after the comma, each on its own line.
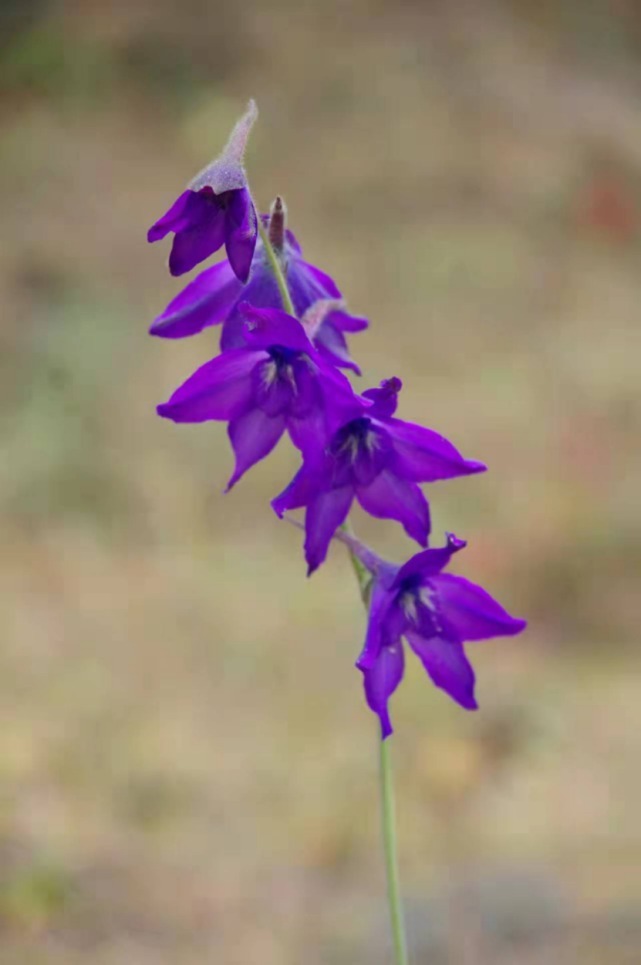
(215,209)
(216,294)
(275,382)
(436,613)
(282,345)
(377,459)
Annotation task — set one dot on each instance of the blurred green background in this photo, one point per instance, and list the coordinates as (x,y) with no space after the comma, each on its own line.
(187,766)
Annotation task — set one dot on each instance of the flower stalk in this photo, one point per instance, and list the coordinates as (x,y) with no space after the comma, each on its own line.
(386,783)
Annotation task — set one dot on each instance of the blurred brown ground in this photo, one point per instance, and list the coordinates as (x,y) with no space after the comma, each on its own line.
(187,768)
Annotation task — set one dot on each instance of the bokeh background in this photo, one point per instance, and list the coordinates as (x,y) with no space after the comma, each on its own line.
(187,767)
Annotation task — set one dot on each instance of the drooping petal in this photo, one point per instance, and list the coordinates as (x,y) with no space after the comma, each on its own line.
(306,484)
(219,389)
(241,232)
(178,217)
(470,611)
(389,497)
(207,300)
(194,244)
(324,515)
(253,436)
(448,667)
(380,602)
(382,680)
(431,561)
(266,327)
(425,456)
(384,398)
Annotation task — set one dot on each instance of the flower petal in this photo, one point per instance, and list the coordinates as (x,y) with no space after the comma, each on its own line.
(389,497)
(305,485)
(196,243)
(176,218)
(324,515)
(382,680)
(266,327)
(207,300)
(431,561)
(307,284)
(425,456)
(471,611)
(384,398)
(380,602)
(219,389)
(253,436)
(332,345)
(447,665)
(345,322)
(241,232)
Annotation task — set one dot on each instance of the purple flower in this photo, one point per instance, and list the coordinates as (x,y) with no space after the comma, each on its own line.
(276,382)
(377,459)
(215,209)
(215,296)
(436,613)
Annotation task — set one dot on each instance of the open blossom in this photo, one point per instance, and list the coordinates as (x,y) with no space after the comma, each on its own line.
(378,460)
(216,294)
(436,613)
(274,383)
(216,209)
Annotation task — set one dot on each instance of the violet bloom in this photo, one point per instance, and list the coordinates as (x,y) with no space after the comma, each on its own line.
(377,459)
(276,382)
(215,209)
(436,613)
(215,296)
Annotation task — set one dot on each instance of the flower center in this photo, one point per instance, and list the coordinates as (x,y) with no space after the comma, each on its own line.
(419,605)
(360,451)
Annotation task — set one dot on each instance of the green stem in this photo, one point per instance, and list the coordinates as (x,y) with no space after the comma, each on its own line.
(388,823)
(364,579)
(277,269)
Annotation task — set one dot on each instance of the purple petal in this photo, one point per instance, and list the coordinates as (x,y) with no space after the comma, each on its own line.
(219,389)
(196,243)
(380,602)
(207,300)
(241,232)
(177,218)
(431,561)
(307,284)
(331,343)
(253,436)
(425,456)
(304,487)
(325,513)
(266,327)
(389,497)
(345,322)
(384,398)
(309,433)
(447,665)
(261,291)
(381,682)
(471,612)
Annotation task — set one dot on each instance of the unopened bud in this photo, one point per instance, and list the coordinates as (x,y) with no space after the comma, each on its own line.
(277,224)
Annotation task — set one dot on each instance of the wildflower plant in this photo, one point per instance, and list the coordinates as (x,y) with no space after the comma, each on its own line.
(283,345)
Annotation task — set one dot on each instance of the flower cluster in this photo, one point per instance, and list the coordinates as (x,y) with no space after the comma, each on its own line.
(283,345)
